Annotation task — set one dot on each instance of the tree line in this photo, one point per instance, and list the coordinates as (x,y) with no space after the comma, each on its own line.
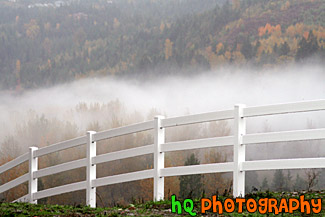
(41,47)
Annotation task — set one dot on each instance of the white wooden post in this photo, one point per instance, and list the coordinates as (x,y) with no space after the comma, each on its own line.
(159,159)
(239,151)
(91,170)
(33,166)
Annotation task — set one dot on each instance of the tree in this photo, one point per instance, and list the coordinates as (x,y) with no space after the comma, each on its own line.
(284,49)
(32,29)
(214,182)
(219,48)
(300,184)
(79,36)
(168,49)
(307,47)
(17,73)
(312,178)
(235,5)
(278,181)
(47,46)
(291,31)
(251,181)
(247,49)
(265,185)
(162,26)
(116,23)
(288,182)
(191,186)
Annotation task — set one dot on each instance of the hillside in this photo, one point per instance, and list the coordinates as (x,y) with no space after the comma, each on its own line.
(42,45)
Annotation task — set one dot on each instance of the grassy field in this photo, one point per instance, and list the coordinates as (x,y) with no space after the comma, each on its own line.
(161,208)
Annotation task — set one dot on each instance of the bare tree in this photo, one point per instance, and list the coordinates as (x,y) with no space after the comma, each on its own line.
(312,178)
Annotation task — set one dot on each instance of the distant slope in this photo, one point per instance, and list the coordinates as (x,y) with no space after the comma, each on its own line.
(46,45)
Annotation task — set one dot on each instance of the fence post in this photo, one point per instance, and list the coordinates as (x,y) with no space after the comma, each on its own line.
(33,166)
(159,159)
(239,151)
(91,170)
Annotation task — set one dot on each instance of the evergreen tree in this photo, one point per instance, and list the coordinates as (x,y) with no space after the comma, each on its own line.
(307,47)
(191,186)
(265,185)
(284,49)
(288,182)
(278,181)
(247,49)
(300,184)
(251,181)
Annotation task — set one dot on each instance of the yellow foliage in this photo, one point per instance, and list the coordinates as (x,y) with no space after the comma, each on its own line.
(277,30)
(291,31)
(47,45)
(228,55)
(47,26)
(235,4)
(305,35)
(49,63)
(285,6)
(168,49)
(18,67)
(299,28)
(116,23)
(238,47)
(269,29)
(162,26)
(32,29)
(238,57)
(219,47)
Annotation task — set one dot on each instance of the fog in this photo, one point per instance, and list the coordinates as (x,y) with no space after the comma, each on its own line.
(176,95)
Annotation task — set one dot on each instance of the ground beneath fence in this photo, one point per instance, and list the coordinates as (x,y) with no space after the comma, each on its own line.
(161,208)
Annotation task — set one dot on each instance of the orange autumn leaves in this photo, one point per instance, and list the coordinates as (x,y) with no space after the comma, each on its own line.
(269,29)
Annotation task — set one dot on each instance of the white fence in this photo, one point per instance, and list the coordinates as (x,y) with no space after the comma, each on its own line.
(238,167)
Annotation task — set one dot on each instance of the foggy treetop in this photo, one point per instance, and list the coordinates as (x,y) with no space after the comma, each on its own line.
(43,43)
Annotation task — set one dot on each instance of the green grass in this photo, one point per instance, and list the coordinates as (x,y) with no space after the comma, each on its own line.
(161,208)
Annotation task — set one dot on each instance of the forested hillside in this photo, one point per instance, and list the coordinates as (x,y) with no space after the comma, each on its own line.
(43,44)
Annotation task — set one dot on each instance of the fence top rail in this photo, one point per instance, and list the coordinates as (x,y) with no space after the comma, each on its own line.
(61,146)
(198,118)
(305,106)
(15,162)
(120,131)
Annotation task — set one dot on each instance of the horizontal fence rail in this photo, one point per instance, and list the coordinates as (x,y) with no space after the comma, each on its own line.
(198,118)
(61,146)
(124,130)
(301,163)
(11,164)
(284,108)
(60,190)
(14,183)
(126,177)
(238,141)
(198,143)
(198,169)
(284,136)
